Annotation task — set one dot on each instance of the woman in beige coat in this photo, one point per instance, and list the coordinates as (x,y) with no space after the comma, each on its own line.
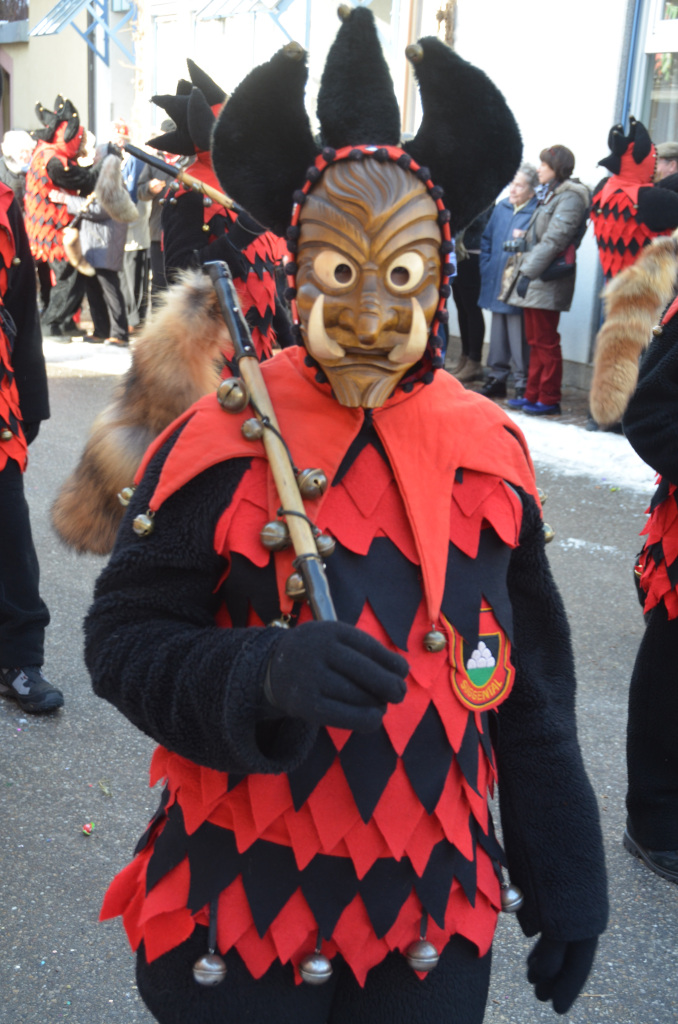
(559,222)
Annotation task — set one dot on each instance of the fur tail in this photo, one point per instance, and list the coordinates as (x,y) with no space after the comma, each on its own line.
(633,303)
(176,361)
(111,192)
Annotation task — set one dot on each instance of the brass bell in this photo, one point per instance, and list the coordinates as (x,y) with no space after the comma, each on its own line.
(6,434)
(422,955)
(512,898)
(252,429)
(294,587)
(542,495)
(312,483)
(325,545)
(414,53)
(143,524)
(16,261)
(315,969)
(209,969)
(125,496)
(549,533)
(657,330)
(435,641)
(232,395)
(294,50)
(344,11)
(275,536)
(282,623)
(173,201)
(205,227)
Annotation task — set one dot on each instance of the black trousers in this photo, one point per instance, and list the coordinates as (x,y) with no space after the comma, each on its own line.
(651,744)
(466,292)
(454,992)
(23,614)
(107,305)
(66,296)
(158,281)
(134,279)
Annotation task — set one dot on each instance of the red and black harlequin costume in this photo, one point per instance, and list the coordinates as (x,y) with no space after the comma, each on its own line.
(627,210)
(23,404)
(277,832)
(54,166)
(650,424)
(195,229)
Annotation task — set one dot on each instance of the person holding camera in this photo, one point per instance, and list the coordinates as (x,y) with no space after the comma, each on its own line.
(545,284)
(503,235)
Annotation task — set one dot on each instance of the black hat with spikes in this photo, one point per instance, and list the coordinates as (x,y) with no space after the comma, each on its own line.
(262,144)
(64,111)
(637,143)
(191,109)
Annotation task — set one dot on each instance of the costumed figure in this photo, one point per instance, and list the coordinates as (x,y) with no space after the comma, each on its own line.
(196,229)
(325,817)
(54,165)
(23,404)
(646,401)
(627,210)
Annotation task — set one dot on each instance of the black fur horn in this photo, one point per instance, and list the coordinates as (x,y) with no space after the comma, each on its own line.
(262,143)
(356,101)
(178,141)
(212,92)
(200,120)
(468,137)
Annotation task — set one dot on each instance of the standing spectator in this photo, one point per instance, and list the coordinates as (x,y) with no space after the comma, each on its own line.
(559,223)
(54,165)
(466,292)
(102,238)
(17,149)
(134,277)
(508,223)
(667,161)
(24,404)
(151,187)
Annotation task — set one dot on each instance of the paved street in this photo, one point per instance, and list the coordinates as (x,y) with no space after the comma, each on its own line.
(88,764)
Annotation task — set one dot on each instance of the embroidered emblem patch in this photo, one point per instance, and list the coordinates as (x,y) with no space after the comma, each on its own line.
(482,674)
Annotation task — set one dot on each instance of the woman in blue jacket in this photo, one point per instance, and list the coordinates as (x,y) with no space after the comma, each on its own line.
(509,220)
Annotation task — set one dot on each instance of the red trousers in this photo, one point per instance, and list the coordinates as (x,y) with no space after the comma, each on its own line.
(546,361)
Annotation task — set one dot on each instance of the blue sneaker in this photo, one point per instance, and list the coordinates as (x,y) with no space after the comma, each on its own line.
(540,409)
(517,403)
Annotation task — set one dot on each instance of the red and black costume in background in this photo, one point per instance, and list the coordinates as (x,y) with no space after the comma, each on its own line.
(54,165)
(627,210)
(274,832)
(195,229)
(23,404)
(651,426)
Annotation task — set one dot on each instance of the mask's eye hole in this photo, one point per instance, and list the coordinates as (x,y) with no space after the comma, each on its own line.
(334,270)
(406,272)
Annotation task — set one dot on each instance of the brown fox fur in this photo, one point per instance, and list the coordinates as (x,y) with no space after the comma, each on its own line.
(176,360)
(633,302)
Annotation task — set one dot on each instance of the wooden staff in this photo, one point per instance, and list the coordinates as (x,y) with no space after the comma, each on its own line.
(308,561)
(187,179)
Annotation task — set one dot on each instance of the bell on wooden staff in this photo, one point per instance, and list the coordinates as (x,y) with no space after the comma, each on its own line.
(312,483)
(275,536)
(294,587)
(325,545)
(232,394)
(252,429)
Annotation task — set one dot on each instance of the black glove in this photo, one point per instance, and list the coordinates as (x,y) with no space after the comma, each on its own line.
(558,970)
(522,286)
(330,673)
(31,431)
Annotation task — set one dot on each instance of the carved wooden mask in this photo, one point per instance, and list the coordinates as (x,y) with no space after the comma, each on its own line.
(368,276)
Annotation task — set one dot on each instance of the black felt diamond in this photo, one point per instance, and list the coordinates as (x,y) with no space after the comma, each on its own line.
(169,849)
(427,759)
(384,889)
(270,877)
(214,861)
(306,777)
(368,761)
(328,884)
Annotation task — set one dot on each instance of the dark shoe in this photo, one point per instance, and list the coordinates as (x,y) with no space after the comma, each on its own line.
(29,688)
(520,393)
(493,388)
(663,862)
(73,330)
(591,423)
(56,333)
(94,339)
(471,370)
(120,342)
(519,402)
(541,409)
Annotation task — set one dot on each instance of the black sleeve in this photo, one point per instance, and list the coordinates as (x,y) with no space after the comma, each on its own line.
(21,303)
(73,178)
(651,419)
(282,325)
(152,647)
(657,208)
(550,819)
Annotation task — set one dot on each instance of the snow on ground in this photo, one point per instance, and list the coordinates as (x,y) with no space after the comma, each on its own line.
(561,447)
(573,451)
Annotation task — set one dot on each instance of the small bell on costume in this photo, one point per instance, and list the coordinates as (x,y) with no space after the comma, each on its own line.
(422,955)
(315,968)
(210,969)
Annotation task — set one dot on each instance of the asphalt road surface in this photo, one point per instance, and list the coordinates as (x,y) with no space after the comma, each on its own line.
(87,765)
